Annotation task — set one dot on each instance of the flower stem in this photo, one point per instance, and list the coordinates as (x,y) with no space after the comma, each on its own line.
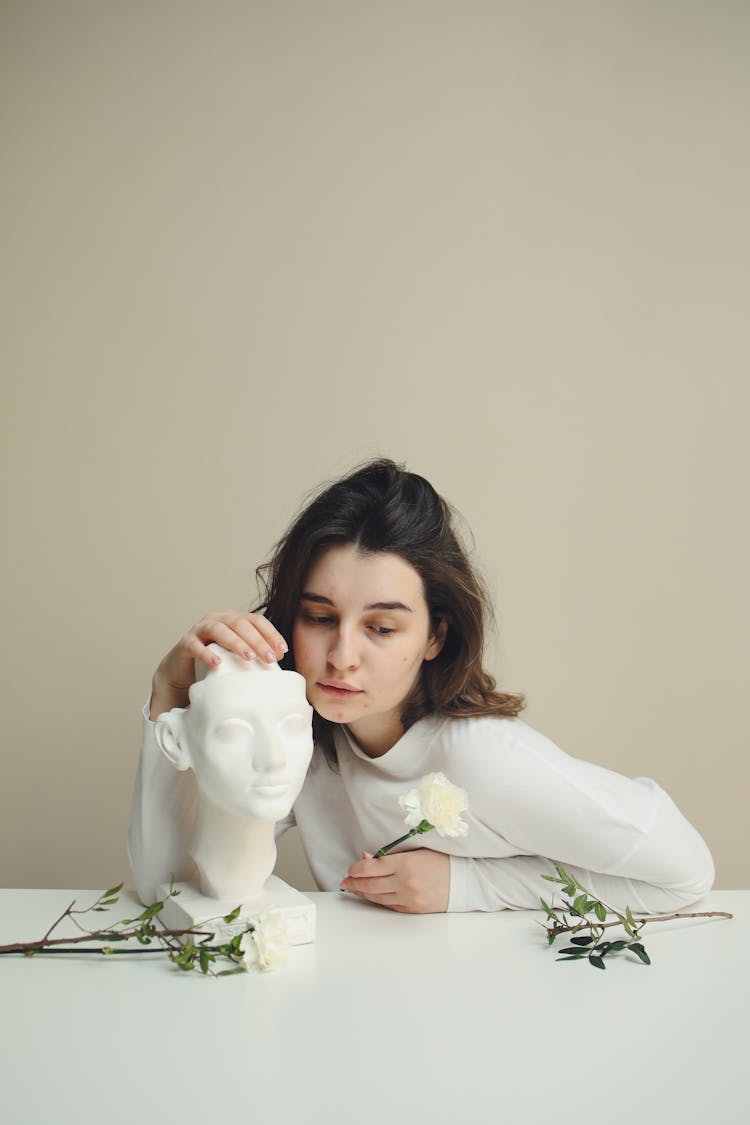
(423,826)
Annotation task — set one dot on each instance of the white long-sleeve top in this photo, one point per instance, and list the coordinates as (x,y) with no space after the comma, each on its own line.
(530,805)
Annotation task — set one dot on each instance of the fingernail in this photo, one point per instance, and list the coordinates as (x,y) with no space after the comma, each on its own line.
(248,654)
(283,646)
(269,657)
(215,660)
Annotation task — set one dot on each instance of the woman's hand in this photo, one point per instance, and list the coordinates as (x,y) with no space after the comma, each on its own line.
(413,882)
(249,635)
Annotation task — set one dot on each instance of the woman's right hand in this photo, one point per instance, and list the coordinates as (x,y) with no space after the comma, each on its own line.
(249,635)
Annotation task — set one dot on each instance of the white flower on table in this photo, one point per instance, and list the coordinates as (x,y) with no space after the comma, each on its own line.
(438,801)
(265,947)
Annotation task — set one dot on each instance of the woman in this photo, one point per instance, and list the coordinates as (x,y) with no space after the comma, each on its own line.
(371,597)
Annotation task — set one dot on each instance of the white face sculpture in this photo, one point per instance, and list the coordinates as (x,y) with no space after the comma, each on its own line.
(247,735)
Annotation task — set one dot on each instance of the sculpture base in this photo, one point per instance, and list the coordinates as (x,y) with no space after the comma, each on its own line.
(191,908)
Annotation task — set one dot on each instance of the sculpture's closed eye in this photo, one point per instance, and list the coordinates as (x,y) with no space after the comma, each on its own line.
(234,730)
(292,725)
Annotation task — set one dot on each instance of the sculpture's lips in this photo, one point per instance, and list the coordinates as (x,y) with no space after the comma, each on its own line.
(336,687)
(270,790)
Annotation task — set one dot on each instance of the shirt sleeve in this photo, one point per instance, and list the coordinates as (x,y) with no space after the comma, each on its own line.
(162,818)
(623,838)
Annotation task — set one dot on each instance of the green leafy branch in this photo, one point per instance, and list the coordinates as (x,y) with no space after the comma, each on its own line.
(188,949)
(582,912)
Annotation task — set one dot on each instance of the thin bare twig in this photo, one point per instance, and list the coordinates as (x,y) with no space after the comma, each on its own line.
(562,929)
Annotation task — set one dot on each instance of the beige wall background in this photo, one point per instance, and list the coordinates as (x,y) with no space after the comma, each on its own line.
(247,245)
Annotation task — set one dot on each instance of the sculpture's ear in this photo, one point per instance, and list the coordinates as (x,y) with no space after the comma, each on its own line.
(171,737)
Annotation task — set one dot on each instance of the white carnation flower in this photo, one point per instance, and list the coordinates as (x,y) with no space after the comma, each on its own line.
(266,946)
(439,802)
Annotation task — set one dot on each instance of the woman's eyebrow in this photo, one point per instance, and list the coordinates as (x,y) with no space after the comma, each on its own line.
(389,605)
(308,596)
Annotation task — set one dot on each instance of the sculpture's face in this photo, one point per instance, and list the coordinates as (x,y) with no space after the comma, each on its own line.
(250,742)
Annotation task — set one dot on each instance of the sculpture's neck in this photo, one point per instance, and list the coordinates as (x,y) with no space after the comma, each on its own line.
(234,855)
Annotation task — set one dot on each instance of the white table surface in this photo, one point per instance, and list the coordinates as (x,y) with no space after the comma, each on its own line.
(387,1016)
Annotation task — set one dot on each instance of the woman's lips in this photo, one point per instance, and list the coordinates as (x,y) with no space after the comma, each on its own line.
(339,691)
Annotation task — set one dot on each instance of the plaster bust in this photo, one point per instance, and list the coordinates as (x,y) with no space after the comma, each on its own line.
(247,736)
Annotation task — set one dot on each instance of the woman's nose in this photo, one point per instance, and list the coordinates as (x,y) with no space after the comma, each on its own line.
(343,653)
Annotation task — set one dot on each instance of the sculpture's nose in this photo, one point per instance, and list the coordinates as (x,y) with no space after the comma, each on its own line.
(268,755)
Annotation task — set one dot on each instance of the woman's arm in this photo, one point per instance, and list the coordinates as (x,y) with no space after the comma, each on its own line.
(162,816)
(624,838)
(531,806)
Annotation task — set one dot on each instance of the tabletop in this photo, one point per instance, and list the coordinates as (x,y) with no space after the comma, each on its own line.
(386,1015)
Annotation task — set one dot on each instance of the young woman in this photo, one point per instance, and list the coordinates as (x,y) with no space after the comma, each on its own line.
(371,597)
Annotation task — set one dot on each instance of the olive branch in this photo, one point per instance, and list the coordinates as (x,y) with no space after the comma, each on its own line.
(574,917)
(188,949)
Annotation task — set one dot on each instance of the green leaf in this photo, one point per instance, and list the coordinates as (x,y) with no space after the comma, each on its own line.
(597,962)
(234,944)
(640,952)
(570,949)
(150,912)
(616,946)
(550,938)
(579,953)
(600,911)
(234,914)
(586,940)
(629,916)
(548,910)
(113,890)
(580,904)
(229,972)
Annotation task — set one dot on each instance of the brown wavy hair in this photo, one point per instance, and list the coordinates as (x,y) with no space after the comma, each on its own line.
(380,506)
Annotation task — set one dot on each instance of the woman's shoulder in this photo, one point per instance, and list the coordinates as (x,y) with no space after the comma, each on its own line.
(471,728)
(492,735)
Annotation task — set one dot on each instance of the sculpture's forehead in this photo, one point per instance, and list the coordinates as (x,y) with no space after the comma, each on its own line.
(264,693)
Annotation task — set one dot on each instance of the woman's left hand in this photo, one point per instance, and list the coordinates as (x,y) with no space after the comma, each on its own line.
(413,882)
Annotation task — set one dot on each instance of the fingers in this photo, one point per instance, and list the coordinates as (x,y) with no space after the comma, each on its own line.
(249,635)
(413,882)
(372,878)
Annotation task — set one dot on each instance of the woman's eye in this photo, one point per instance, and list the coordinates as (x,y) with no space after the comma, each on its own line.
(382,630)
(314,619)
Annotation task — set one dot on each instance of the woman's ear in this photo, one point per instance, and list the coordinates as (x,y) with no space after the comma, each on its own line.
(437,640)
(171,737)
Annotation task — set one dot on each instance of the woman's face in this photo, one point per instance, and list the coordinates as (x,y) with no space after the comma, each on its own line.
(360,636)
